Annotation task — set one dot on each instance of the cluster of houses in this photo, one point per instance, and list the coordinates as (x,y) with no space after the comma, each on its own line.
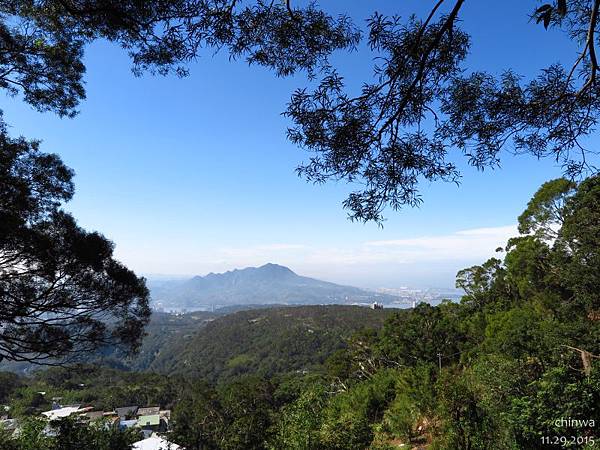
(149,420)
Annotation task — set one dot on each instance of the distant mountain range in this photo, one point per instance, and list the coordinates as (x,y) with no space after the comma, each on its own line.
(268,284)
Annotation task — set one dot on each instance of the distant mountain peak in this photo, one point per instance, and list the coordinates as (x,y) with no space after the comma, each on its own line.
(268,268)
(275,268)
(267,284)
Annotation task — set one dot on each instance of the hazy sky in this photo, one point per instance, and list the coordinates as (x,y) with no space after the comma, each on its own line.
(194,175)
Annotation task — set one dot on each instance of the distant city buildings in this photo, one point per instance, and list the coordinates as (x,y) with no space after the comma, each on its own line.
(410,297)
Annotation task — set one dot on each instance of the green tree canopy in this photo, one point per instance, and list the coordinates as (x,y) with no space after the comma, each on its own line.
(544,213)
(578,243)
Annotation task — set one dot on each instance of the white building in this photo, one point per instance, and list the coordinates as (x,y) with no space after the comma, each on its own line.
(59,413)
(155,443)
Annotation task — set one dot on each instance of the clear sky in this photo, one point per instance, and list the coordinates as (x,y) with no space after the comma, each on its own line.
(194,175)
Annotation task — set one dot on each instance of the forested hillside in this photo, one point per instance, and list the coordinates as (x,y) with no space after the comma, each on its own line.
(266,341)
(161,331)
(222,345)
(515,365)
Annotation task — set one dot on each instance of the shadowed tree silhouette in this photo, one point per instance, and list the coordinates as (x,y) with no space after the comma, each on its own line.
(400,128)
(61,292)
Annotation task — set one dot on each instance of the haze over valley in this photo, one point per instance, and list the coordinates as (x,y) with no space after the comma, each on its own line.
(273,284)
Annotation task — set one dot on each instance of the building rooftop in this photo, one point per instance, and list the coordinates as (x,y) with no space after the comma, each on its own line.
(151,420)
(127,423)
(93,415)
(148,411)
(126,411)
(155,443)
(64,412)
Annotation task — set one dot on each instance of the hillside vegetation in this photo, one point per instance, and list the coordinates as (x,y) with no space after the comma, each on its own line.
(161,331)
(266,341)
(515,365)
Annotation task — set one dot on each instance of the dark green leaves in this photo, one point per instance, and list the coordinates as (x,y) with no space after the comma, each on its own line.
(397,131)
(578,243)
(544,14)
(42,41)
(561,8)
(544,213)
(375,139)
(61,291)
(547,12)
(45,67)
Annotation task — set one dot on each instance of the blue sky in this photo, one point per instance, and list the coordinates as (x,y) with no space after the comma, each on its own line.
(194,175)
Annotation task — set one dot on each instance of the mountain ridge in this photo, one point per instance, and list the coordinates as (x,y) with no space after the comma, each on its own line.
(267,284)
